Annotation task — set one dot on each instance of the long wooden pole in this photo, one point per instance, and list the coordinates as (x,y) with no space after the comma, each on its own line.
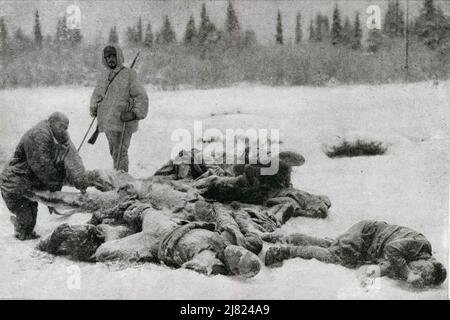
(84,138)
(124,127)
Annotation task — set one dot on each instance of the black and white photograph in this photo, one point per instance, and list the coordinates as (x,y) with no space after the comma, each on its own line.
(224,150)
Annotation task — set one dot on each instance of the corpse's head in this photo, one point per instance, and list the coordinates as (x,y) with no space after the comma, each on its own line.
(432,272)
(59,124)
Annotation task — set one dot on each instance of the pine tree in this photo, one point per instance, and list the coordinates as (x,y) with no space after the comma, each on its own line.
(347,32)
(65,35)
(250,38)
(204,25)
(20,39)
(139,32)
(131,35)
(298,28)
(19,36)
(400,19)
(374,40)
(232,27)
(318,29)
(207,32)
(190,34)
(357,33)
(58,31)
(64,30)
(312,34)
(394,23)
(113,37)
(389,26)
(148,41)
(75,36)
(166,35)
(279,29)
(432,26)
(4,38)
(429,9)
(325,27)
(336,29)
(38,38)
(62,33)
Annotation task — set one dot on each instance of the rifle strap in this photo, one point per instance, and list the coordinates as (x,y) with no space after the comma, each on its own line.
(112,79)
(109,83)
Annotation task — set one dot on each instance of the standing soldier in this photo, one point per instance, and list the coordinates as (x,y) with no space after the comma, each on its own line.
(118,101)
(44,159)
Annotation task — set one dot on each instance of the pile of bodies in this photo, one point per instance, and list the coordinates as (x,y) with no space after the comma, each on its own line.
(207,218)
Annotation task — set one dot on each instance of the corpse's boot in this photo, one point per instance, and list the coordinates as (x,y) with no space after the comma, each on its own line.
(276,255)
(282,212)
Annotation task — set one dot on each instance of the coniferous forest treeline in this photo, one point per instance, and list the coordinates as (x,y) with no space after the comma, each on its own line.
(331,50)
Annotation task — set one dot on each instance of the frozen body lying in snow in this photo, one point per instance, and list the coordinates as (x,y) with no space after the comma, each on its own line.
(400,252)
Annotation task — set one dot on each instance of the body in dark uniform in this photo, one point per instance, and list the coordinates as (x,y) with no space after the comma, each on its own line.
(400,252)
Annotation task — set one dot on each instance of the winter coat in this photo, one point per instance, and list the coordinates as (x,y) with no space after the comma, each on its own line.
(249,185)
(377,241)
(34,163)
(174,252)
(125,93)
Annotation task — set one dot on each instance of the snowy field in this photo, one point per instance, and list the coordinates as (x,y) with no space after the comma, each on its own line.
(408,185)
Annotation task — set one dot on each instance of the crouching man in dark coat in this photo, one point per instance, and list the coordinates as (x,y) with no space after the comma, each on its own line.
(400,252)
(43,160)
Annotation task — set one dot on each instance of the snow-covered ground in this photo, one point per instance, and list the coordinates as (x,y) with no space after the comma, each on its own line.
(407,186)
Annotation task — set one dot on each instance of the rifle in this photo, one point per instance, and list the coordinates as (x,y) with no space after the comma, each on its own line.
(94,136)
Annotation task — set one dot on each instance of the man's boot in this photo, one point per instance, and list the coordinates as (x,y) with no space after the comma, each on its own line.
(32,235)
(19,232)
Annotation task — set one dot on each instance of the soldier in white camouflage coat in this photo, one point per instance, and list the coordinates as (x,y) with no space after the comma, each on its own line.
(118,98)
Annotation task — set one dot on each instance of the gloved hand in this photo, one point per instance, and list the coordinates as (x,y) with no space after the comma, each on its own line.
(126,116)
(93,113)
(82,184)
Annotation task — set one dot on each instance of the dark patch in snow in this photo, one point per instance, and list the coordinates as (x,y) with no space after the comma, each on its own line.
(212,114)
(356,148)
